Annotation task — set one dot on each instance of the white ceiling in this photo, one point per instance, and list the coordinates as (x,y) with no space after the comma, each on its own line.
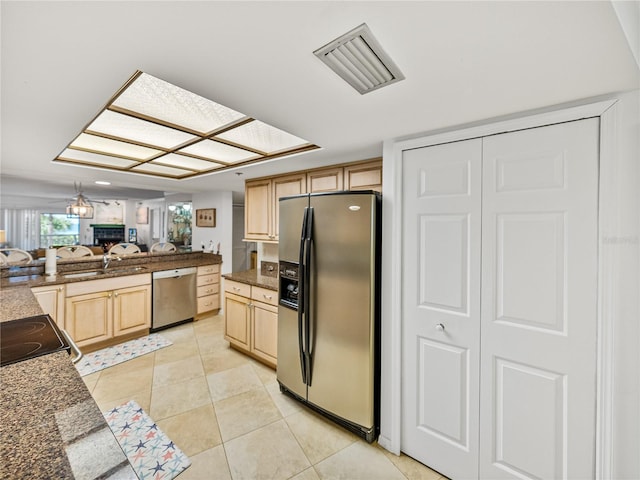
(463,62)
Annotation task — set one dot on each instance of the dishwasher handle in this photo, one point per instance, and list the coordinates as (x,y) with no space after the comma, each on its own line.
(178,272)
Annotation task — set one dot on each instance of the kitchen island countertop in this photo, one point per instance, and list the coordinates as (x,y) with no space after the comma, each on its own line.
(50,426)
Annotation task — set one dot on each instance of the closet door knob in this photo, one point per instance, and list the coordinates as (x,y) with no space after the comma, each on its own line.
(440,327)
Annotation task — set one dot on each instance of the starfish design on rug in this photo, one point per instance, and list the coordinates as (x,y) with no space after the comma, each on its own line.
(125,426)
(140,445)
(157,468)
(169,445)
(167,456)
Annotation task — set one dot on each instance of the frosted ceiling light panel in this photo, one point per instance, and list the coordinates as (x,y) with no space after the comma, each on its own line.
(262,137)
(151,120)
(182,161)
(220,151)
(113,147)
(162,100)
(130,128)
(96,159)
(161,170)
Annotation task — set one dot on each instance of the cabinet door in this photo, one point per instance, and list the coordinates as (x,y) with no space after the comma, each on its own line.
(51,300)
(236,320)
(325,180)
(364,176)
(257,210)
(89,318)
(131,309)
(264,332)
(284,187)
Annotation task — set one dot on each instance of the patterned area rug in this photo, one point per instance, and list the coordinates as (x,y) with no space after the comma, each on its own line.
(110,356)
(151,453)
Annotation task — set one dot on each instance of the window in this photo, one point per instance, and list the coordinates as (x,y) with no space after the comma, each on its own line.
(58,229)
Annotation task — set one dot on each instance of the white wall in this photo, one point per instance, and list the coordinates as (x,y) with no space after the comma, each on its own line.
(223,231)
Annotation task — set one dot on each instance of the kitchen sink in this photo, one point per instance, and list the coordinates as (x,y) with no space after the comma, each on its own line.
(92,273)
(82,274)
(124,270)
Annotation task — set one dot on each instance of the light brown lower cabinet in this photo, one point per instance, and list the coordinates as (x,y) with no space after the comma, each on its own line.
(97,311)
(51,300)
(208,288)
(251,320)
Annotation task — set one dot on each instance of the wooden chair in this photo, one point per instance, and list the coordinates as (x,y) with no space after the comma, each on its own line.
(74,251)
(163,247)
(15,256)
(124,249)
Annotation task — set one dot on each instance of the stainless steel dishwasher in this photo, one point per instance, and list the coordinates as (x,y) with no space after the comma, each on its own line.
(174,297)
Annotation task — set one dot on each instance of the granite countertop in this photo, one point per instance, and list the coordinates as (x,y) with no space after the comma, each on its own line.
(255,277)
(33,275)
(50,426)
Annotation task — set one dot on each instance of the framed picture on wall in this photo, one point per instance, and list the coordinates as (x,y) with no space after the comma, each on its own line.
(142,215)
(206,217)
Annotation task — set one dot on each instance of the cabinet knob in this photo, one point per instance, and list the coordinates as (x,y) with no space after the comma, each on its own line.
(268,297)
(110,295)
(115,294)
(440,327)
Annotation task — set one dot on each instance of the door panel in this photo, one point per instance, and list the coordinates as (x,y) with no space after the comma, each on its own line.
(539,277)
(441,306)
(541,417)
(444,415)
(342,299)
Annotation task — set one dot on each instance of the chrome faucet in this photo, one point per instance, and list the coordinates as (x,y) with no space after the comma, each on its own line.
(106,260)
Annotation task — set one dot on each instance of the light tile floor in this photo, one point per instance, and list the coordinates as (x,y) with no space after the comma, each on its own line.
(225,411)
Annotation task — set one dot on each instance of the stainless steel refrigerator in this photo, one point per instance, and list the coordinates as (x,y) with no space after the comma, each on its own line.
(329,308)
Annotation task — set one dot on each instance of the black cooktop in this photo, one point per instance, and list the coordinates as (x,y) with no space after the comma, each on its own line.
(29,337)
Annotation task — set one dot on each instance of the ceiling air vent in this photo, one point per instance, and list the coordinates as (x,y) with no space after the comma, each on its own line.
(359,59)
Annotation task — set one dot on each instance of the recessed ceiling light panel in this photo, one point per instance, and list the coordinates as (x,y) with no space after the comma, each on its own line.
(161,100)
(359,59)
(94,143)
(220,151)
(153,127)
(125,127)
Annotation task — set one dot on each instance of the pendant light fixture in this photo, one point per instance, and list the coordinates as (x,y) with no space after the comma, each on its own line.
(81,208)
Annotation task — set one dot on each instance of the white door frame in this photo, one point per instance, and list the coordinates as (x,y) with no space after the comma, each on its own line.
(390,434)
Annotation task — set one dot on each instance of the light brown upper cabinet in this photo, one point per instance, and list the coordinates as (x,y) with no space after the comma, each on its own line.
(363,176)
(261,204)
(325,180)
(258,209)
(261,195)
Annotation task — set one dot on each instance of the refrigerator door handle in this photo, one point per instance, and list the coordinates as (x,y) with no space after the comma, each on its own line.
(307,307)
(302,291)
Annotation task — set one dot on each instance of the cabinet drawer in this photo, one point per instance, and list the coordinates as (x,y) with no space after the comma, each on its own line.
(208,303)
(264,295)
(238,288)
(207,269)
(207,279)
(205,290)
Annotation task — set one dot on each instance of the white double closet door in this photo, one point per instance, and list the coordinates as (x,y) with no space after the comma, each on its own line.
(499,304)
